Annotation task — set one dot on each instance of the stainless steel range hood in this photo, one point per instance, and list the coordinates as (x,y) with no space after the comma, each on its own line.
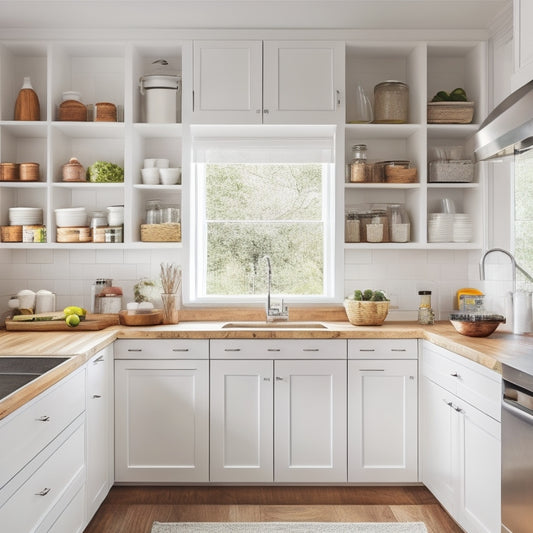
(508,128)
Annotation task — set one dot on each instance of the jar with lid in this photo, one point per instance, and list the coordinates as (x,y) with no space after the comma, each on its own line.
(72,108)
(391,102)
(358,164)
(399,223)
(352,227)
(97,223)
(153,212)
(425,312)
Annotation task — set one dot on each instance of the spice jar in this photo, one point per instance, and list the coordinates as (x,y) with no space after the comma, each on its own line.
(352,227)
(425,312)
(358,164)
(391,102)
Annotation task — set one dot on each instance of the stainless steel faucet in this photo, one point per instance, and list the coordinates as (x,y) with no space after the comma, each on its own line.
(514,264)
(276,312)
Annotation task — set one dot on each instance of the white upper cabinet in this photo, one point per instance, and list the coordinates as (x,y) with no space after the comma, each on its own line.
(303,81)
(227,81)
(523,42)
(254,82)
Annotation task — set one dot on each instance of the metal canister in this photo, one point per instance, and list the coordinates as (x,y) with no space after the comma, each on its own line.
(391,102)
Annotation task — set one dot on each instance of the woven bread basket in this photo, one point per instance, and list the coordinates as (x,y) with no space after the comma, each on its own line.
(366,313)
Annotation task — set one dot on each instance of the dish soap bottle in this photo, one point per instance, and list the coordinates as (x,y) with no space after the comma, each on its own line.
(27,103)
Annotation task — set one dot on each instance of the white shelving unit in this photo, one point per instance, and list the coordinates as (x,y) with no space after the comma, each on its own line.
(110,71)
(426,68)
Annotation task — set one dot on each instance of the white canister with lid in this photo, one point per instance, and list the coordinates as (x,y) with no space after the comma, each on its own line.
(161,102)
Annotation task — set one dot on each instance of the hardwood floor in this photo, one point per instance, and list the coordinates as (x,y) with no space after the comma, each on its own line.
(133,509)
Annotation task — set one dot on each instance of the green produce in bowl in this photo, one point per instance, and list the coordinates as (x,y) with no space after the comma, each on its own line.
(369,295)
(105,172)
(457,95)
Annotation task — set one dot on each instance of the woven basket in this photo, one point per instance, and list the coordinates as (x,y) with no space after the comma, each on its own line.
(450,112)
(168,232)
(365,313)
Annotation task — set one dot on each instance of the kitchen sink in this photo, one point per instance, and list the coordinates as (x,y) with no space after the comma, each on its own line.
(15,372)
(274,325)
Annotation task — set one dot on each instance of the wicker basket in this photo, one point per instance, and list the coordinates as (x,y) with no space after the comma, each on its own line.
(450,112)
(168,232)
(366,313)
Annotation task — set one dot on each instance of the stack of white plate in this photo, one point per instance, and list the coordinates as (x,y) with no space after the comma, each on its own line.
(25,216)
(462,227)
(440,227)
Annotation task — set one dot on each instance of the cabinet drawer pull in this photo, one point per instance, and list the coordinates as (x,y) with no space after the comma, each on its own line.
(310,350)
(266,379)
(43,492)
(455,375)
(98,360)
(180,349)
(371,370)
(232,349)
(96,396)
(278,378)
(367,349)
(43,418)
(398,350)
(134,349)
(273,350)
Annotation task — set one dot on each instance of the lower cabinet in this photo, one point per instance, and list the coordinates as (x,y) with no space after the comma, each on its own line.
(100,429)
(461,444)
(383,421)
(278,420)
(45,441)
(161,417)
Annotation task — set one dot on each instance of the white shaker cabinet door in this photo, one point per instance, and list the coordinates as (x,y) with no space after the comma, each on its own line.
(227,82)
(523,42)
(382,421)
(310,421)
(161,420)
(303,82)
(241,421)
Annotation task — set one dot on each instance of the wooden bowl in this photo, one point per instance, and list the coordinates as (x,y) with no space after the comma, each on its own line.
(481,328)
(153,318)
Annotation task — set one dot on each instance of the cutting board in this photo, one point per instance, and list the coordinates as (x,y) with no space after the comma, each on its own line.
(91,323)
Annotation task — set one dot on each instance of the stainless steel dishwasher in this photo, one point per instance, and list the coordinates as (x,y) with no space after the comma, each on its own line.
(517,451)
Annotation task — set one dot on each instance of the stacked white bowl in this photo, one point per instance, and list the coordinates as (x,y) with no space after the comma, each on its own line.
(440,227)
(25,216)
(462,227)
(71,217)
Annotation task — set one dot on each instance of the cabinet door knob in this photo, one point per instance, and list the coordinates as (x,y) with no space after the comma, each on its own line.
(455,375)
(43,492)
(266,379)
(278,378)
(43,418)
(96,396)
(266,111)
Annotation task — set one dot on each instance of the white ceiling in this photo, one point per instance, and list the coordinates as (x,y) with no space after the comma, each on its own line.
(261,14)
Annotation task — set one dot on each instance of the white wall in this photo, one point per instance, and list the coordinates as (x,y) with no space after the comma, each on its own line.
(402,273)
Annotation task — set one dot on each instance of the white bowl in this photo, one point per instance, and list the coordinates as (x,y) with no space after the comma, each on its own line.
(71,217)
(150,176)
(170,176)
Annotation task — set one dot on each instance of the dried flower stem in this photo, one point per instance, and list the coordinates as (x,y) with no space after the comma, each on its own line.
(170,278)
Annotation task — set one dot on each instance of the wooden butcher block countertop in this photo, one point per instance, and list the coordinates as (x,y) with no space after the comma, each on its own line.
(490,352)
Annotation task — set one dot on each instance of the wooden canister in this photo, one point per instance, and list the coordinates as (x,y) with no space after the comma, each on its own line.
(9,171)
(27,103)
(11,233)
(73,171)
(29,171)
(105,112)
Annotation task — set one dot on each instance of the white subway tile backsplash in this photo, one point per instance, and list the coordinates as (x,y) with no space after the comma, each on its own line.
(82,256)
(109,256)
(40,256)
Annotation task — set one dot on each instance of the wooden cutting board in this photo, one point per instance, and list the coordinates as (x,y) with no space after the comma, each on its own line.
(91,323)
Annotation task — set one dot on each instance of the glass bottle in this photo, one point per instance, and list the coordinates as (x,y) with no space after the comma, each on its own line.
(358,164)
(425,312)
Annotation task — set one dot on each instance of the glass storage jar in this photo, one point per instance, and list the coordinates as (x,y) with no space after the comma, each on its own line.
(153,212)
(391,102)
(352,227)
(425,312)
(358,164)
(399,223)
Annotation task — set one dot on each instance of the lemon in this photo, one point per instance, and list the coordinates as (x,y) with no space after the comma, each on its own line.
(74,310)
(72,320)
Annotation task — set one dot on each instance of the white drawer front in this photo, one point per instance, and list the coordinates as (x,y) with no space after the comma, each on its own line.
(29,429)
(470,381)
(382,349)
(278,349)
(161,349)
(30,504)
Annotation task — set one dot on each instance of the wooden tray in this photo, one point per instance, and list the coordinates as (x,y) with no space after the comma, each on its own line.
(91,323)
